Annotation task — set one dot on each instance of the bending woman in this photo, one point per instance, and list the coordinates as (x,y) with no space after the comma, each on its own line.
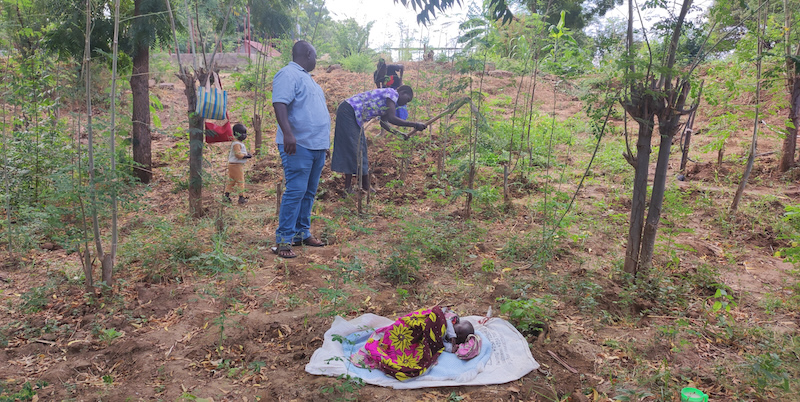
(351,116)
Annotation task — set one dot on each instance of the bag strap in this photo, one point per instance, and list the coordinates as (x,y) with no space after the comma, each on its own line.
(217,80)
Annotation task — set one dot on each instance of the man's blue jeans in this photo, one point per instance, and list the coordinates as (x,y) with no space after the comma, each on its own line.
(301,173)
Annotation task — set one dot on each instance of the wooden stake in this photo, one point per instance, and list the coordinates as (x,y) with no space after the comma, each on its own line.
(562,362)
(505,184)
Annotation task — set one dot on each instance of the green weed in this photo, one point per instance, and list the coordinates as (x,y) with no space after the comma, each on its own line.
(528,315)
(767,371)
(400,267)
(36,298)
(723,301)
(159,248)
(217,261)
(342,273)
(439,239)
(349,386)
(25,393)
(109,335)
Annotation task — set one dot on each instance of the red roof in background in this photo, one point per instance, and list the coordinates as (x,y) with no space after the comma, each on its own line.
(259,47)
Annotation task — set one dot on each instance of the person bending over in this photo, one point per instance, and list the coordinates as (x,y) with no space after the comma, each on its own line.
(349,141)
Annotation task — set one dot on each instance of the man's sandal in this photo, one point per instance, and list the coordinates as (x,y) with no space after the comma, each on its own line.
(310,241)
(284,251)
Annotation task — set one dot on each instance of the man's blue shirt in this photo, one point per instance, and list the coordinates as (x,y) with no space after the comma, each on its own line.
(305,101)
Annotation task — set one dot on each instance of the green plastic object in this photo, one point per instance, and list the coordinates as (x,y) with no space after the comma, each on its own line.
(693,395)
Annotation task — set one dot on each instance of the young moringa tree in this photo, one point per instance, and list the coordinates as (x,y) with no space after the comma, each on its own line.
(754,142)
(144,25)
(649,96)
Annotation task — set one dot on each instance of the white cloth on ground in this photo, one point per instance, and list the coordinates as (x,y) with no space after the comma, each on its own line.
(505,356)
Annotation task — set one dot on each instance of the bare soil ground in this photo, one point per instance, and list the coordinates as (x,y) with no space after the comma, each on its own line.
(247,336)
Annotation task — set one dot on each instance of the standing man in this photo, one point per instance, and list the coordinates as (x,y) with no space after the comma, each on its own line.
(303,139)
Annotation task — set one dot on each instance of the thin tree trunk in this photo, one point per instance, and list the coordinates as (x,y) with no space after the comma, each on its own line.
(218,43)
(656,202)
(6,178)
(790,142)
(90,137)
(639,198)
(195,146)
(754,143)
(140,115)
(108,262)
(793,85)
(670,110)
(86,254)
(191,33)
(258,133)
(470,185)
(687,140)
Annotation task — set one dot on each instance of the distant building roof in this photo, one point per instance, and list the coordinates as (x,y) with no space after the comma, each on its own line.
(258,47)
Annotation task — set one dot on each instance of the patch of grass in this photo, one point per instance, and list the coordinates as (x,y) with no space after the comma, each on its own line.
(706,277)
(335,297)
(159,249)
(35,299)
(216,261)
(524,247)
(652,292)
(439,239)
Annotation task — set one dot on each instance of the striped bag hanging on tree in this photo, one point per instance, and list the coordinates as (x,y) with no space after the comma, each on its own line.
(212,100)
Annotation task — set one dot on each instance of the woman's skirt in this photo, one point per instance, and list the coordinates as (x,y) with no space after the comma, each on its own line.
(346,138)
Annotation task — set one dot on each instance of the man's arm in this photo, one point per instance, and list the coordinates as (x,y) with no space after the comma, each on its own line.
(282,115)
(391,117)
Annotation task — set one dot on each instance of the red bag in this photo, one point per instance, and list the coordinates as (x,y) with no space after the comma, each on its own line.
(215,133)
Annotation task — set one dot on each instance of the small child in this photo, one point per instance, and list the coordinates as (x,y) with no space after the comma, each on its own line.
(236,160)
(460,337)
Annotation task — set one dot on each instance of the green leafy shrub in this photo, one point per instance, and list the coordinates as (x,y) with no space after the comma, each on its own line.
(216,261)
(767,371)
(792,218)
(530,316)
(400,267)
(358,63)
(26,393)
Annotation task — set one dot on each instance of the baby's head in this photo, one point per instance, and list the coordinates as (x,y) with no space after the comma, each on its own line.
(463,329)
(239,131)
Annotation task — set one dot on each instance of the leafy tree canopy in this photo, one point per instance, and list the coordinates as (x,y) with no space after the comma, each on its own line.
(65,33)
(578,12)
(271,18)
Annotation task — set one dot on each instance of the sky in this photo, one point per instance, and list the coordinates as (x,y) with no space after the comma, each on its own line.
(443,30)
